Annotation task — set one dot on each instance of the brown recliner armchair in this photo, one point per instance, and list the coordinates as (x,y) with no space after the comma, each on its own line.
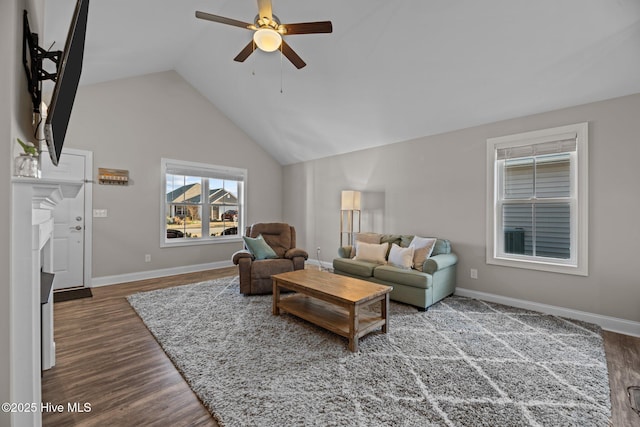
(255,275)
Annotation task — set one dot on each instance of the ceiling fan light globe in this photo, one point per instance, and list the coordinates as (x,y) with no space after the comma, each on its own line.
(267,39)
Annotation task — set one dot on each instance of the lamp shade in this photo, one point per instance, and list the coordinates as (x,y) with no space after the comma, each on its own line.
(350,200)
(267,39)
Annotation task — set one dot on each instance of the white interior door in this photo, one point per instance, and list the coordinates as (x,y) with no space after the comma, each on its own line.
(69,224)
(68,243)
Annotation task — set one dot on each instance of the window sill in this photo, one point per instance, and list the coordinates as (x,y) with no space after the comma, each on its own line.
(539,265)
(181,242)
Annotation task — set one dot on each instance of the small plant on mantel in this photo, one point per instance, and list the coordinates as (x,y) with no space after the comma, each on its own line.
(27,164)
(28,147)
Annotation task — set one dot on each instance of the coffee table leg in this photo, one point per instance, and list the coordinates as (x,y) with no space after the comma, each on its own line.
(276,297)
(384,310)
(353,328)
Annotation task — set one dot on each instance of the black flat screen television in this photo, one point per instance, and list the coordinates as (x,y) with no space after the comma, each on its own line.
(67,80)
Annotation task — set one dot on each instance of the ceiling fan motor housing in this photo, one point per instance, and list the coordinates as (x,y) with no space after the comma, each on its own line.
(273,23)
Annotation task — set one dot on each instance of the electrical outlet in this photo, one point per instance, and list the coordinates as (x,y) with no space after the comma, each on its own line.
(318,256)
(474,273)
(147,258)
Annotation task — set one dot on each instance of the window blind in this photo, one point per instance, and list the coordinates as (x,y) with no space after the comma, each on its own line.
(194,170)
(560,144)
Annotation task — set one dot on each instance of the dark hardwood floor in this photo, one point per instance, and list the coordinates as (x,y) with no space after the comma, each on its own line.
(106,357)
(623,361)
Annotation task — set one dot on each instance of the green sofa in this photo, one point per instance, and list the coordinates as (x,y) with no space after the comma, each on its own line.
(418,288)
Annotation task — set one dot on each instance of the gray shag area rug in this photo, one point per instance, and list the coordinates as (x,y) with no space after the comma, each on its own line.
(463,363)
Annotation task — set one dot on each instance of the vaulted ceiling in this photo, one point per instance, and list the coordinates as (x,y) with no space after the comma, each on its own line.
(389,72)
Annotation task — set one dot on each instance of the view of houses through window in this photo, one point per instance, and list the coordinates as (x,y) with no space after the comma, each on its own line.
(201,203)
(190,215)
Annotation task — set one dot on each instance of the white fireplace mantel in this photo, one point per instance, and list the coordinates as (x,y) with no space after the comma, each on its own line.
(32,346)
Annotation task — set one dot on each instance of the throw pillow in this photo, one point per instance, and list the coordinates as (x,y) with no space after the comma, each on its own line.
(364,237)
(259,248)
(401,257)
(422,248)
(371,252)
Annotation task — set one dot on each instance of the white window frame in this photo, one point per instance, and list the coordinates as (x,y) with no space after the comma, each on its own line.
(202,170)
(577,264)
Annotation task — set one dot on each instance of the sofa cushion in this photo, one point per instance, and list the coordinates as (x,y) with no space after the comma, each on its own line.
(401,257)
(371,252)
(405,240)
(354,267)
(400,276)
(368,237)
(390,239)
(442,246)
(345,251)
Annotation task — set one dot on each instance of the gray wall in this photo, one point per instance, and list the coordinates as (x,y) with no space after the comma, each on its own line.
(131,124)
(436,186)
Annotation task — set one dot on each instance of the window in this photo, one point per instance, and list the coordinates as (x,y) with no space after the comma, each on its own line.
(201,203)
(538,200)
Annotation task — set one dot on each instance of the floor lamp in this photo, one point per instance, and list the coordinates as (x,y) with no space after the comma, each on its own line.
(349,210)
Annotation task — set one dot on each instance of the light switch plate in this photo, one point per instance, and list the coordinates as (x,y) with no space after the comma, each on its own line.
(99,213)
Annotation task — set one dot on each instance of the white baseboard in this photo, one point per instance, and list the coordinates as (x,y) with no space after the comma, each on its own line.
(325,265)
(152,274)
(613,324)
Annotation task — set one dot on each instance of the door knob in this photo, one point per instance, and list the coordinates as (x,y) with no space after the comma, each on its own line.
(77,227)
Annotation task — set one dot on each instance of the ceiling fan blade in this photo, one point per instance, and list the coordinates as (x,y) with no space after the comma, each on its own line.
(223,20)
(309,27)
(264,9)
(244,53)
(292,56)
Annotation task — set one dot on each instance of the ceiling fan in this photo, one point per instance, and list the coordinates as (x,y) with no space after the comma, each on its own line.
(268,32)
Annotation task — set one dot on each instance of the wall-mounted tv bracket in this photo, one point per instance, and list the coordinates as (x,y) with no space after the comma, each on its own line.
(33,63)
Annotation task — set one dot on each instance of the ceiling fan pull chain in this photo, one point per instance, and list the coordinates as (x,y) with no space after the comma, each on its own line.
(281,69)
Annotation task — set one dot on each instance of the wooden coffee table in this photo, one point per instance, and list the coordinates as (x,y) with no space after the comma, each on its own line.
(333,302)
